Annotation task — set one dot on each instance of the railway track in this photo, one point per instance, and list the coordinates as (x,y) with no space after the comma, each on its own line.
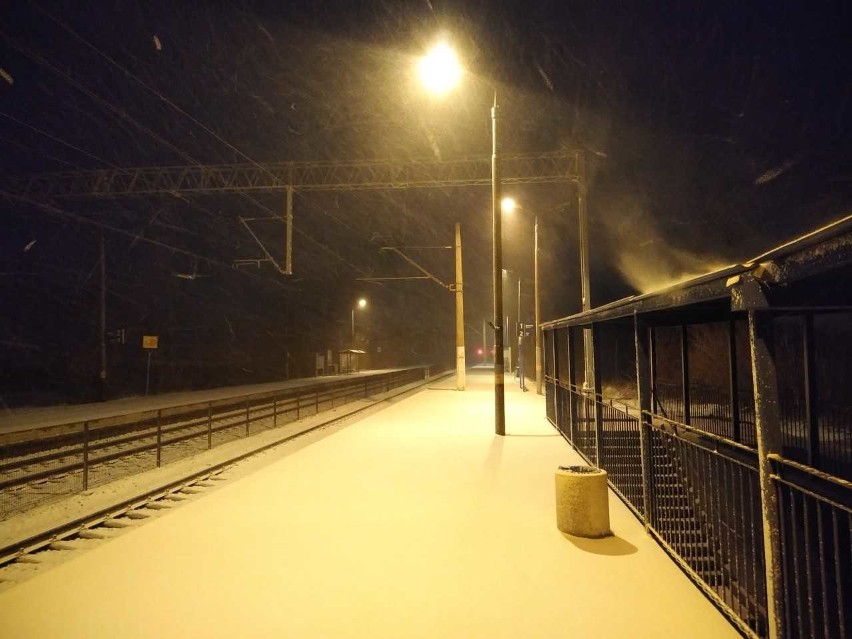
(77,456)
(26,557)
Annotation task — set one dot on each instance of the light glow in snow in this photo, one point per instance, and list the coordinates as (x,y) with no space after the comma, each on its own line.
(440,69)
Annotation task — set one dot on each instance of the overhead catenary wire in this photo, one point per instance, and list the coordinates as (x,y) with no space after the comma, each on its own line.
(165,99)
(118,111)
(79,219)
(124,115)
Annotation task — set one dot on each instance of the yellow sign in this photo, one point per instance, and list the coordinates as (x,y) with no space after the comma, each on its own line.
(150,341)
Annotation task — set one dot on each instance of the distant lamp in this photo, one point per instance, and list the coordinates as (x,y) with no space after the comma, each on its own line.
(439,69)
(508,205)
(360,304)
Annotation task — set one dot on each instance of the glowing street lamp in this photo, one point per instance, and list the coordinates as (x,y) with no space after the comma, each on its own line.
(440,71)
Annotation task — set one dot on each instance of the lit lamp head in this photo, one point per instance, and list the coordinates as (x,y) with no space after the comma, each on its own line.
(439,69)
(508,205)
(362,303)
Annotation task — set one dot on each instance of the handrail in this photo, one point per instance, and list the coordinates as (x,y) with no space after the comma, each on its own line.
(697,431)
(179,409)
(837,481)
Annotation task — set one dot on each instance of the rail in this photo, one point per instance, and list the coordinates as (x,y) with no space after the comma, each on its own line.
(76,456)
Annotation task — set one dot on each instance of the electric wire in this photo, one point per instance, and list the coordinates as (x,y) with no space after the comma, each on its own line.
(200,124)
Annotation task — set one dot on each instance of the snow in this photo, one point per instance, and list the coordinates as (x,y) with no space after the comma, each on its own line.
(415,521)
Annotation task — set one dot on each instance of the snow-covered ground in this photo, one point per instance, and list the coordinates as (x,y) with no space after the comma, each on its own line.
(415,521)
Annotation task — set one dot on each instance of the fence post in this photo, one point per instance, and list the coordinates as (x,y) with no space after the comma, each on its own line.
(597,396)
(652,355)
(159,438)
(247,417)
(572,373)
(316,402)
(734,385)
(85,455)
(554,373)
(643,387)
(209,426)
(811,396)
(684,373)
(275,412)
(767,424)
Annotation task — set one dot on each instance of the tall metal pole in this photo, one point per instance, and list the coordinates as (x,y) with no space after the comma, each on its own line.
(519,327)
(460,380)
(538,351)
(767,420)
(353,328)
(102,373)
(288,221)
(484,342)
(584,266)
(497,278)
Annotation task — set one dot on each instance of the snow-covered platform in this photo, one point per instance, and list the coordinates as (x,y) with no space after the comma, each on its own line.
(415,521)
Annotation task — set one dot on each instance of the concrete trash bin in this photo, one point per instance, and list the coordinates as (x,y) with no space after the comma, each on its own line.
(582,501)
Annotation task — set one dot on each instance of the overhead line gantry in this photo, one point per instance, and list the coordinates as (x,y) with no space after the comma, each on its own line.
(522,168)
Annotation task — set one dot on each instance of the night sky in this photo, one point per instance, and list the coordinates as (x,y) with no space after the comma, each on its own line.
(713,131)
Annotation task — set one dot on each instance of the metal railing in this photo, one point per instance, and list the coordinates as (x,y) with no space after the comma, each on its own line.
(705,508)
(816,550)
(701,500)
(710,412)
(702,503)
(40,468)
(621,454)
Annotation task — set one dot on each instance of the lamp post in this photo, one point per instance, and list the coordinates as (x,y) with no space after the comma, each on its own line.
(362,303)
(509,205)
(440,71)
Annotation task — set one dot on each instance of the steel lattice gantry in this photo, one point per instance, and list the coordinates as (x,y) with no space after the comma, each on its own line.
(560,166)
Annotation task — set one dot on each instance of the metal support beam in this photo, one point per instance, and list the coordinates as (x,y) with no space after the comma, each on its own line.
(733,373)
(570,350)
(102,373)
(288,248)
(652,354)
(811,395)
(485,341)
(684,371)
(641,337)
(268,256)
(585,282)
(598,393)
(415,265)
(768,427)
(539,365)
(526,168)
